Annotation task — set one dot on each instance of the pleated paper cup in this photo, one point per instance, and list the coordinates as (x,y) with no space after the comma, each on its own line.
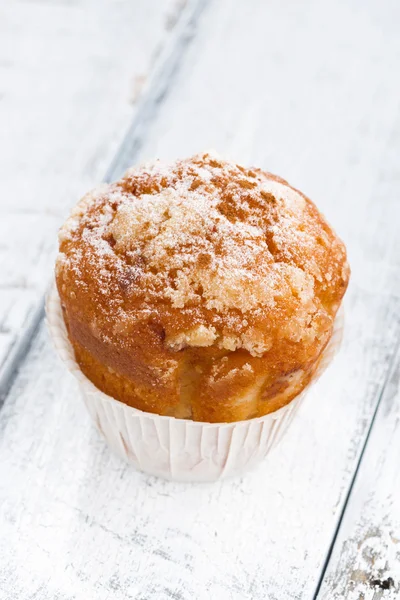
(179,449)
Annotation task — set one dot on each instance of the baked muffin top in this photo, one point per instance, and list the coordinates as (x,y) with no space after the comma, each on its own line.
(212,253)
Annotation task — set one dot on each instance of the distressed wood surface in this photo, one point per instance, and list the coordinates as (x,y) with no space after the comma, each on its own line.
(309,93)
(366,561)
(70,77)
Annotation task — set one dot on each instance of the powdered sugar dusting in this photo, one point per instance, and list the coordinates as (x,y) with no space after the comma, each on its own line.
(207,233)
(183,231)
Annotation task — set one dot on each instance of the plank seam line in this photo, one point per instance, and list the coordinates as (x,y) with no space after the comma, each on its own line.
(20,349)
(161,80)
(391,369)
(160,83)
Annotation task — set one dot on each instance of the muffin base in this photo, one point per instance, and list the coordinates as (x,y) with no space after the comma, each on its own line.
(180,449)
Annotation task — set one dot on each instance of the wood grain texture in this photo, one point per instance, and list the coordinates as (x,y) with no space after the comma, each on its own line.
(365,563)
(70,77)
(309,93)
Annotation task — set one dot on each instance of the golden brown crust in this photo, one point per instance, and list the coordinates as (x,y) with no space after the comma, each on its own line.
(201,290)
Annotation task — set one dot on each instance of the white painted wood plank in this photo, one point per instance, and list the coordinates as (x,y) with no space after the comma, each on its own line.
(366,559)
(300,94)
(76,522)
(70,74)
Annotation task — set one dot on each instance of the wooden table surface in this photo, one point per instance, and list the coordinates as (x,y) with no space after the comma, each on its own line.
(309,90)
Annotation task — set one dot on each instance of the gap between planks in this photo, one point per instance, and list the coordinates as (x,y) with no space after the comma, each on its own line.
(392,366)
(160,83)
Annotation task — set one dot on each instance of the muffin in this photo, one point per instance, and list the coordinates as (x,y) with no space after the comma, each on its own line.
(201,290)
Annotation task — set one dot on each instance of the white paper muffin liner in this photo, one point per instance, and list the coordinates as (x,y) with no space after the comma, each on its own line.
(179,449)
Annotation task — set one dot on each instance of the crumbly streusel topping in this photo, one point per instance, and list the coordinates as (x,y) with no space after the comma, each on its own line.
(208,235)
